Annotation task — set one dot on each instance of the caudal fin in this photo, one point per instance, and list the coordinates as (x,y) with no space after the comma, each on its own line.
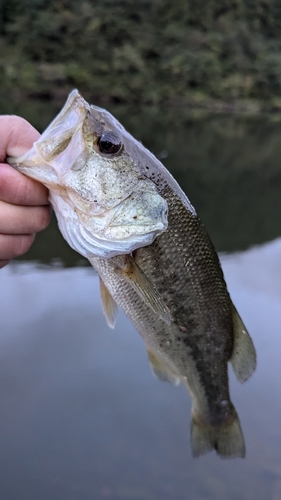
(226,438)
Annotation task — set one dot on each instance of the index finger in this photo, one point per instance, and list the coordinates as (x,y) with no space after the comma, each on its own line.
(17,189)
(16,136)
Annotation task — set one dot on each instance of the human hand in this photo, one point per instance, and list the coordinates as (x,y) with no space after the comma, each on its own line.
(24,206)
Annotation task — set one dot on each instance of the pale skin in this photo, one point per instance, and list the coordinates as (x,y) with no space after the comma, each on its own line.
(24,206)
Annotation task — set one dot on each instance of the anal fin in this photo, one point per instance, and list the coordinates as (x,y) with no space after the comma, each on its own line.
(109,305)
(243,357)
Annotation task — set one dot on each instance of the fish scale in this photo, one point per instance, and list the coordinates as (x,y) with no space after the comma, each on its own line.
(187,295)
(119,207)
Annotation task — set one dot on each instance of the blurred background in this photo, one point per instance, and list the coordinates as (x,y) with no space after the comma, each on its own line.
(199,83)
(217,54)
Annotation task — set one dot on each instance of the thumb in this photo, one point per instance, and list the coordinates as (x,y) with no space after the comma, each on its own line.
(16,136)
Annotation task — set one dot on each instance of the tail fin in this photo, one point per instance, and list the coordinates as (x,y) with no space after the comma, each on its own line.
(226,438)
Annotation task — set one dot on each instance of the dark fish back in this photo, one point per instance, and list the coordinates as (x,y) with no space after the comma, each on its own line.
(183,266)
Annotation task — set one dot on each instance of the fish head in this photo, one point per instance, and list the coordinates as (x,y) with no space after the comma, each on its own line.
(104,202)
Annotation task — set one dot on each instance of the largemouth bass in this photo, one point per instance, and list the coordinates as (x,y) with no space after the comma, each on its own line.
(118,206)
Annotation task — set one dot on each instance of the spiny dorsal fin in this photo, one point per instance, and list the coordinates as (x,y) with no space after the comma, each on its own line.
(109,305)
(144,288)
(243,357)
(161,369)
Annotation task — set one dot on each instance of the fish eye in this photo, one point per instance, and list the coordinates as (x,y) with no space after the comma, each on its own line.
(109,143)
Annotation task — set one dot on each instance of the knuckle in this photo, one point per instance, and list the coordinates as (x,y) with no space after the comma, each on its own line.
(22,191)
(30,192)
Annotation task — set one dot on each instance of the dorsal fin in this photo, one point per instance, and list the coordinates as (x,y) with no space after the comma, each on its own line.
(243,357)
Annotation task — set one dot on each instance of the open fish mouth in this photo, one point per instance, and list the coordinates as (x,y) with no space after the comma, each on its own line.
(104,204)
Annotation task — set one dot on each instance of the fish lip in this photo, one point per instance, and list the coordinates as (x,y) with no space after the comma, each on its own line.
(70,103)
(47,177)
(70,117)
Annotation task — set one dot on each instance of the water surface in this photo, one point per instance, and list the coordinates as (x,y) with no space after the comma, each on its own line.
(82,415)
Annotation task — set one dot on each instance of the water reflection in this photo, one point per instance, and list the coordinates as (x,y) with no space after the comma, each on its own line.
(82,416)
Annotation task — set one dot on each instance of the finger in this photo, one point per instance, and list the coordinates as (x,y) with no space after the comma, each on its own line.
(12,246)
(17,136)
(23,220)
(3,263)
(18,189)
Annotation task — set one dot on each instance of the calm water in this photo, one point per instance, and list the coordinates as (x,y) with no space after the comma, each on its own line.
(82,417)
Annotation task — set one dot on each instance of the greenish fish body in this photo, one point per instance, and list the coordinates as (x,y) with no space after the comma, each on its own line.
(118,206)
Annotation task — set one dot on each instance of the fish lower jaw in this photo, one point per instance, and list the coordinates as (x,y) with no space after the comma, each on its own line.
(91,246)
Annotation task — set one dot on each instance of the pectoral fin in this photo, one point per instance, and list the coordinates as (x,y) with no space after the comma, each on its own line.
(144,288)
(243,357)
(109,305)
(161,369)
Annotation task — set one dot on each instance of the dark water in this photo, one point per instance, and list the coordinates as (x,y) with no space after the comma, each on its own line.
(82,417)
